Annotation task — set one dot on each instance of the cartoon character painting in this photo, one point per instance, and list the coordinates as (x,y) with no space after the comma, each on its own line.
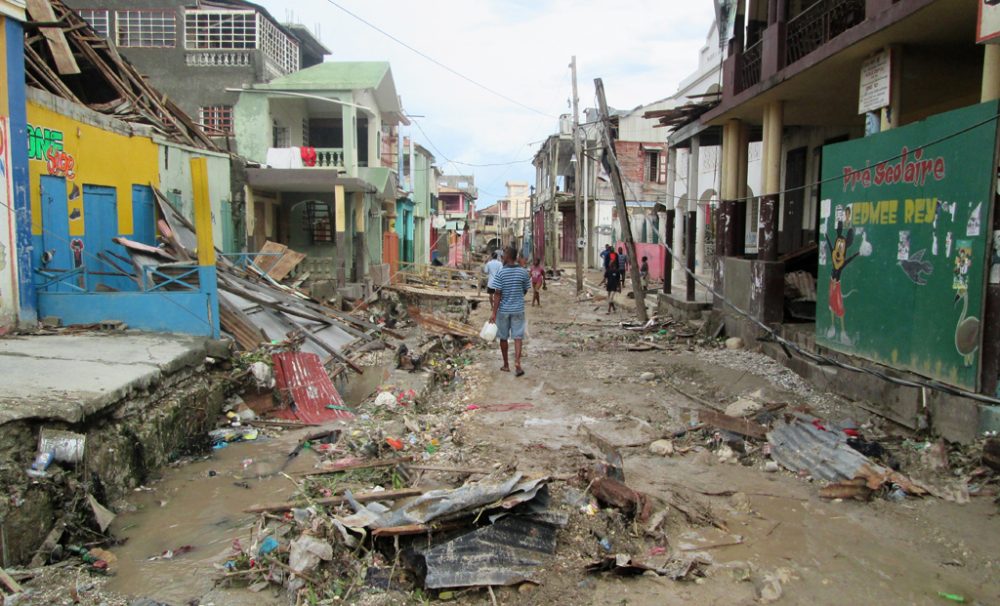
(839,260)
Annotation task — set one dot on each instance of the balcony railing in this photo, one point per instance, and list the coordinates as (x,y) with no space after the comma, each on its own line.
(749,73)
(219,58)
(329,157)
(819,23)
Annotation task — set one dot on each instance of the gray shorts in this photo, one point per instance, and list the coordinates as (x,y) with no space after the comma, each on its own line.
(510,326)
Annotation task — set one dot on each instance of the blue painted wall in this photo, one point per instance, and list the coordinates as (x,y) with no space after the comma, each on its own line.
(19,160)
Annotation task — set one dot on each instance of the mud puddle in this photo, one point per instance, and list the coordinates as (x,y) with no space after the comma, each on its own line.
(200,506)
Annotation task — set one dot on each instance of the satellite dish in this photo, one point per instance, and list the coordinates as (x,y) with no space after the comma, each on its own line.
(438,222)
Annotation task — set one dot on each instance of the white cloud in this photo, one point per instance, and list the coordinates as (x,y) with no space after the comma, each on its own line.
(641,48)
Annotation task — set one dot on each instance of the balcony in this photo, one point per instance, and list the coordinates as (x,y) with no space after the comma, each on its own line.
(298,157)
(219,58)
(818,24)
(749,71)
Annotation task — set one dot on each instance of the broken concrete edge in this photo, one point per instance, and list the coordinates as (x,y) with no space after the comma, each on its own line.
(74,406)
(953,418)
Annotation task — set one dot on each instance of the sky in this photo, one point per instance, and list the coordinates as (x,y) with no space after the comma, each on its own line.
(520,48)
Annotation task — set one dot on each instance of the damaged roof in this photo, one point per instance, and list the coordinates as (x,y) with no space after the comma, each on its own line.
(64,56)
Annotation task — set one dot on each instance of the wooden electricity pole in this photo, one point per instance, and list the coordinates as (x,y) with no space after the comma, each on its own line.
(623,219)
(578,154)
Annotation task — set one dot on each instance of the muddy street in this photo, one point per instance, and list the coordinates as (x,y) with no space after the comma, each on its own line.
(725,524)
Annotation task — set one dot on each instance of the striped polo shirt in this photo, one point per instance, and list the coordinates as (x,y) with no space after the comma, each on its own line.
(513,282)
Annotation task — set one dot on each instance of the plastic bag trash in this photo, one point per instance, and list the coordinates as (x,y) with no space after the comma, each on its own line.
(385,399)
(489,331)
(268,545)
(263,373)
(307,551)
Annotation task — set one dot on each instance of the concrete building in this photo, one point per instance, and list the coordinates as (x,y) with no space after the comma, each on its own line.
(322,185)
(92,178)
(17,297)
(194,52)
(504,223)
(455,225)
(878,137)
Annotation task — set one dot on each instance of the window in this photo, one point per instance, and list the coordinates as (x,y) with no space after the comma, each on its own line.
(98,19)
(490,220)
(280,136)
(652,166)
(220,30)
(217,120)
(453,204)
(146,28)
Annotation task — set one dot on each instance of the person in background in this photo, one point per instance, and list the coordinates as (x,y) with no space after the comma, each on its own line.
(612,278)
(510,284)
(491,268)
(644,272)
(435,259)
(605,259)
(537,282)
(622,267)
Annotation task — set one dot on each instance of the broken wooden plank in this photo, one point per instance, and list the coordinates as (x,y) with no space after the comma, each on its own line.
(361,497)
(9,582)
(737,425)
(285,264)
(360,465)
(268,255)
(55,37)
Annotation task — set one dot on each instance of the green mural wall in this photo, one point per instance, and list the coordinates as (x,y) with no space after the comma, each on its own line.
(905,220)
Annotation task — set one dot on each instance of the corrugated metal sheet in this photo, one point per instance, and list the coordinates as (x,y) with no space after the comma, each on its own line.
(304,384)
(800,446)
(503,553)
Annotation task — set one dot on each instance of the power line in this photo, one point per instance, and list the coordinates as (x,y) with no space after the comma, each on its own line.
(439,64)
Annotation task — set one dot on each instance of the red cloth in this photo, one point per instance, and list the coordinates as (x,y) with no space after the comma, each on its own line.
(836,298)
(308,156)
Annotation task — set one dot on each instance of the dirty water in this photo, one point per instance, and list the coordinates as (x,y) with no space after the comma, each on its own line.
(200,504)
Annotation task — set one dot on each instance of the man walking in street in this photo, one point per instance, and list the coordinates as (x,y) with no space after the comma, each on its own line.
(491,268)
(510,284)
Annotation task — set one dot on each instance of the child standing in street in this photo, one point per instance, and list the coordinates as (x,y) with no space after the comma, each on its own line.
(537,282)
(613,281)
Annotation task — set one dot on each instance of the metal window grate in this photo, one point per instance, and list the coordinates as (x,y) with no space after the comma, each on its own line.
(277,46)
(99,19)
(151,28)
(220,30)
(217,120)
(319,221)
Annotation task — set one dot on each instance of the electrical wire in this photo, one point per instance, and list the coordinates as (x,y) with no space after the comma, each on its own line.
(790,346)
(440,64)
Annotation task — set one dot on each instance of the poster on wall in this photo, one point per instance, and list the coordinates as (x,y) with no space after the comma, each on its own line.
(988,24)
(902,278)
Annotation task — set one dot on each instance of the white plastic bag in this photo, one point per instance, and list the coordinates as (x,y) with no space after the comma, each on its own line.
(489,332)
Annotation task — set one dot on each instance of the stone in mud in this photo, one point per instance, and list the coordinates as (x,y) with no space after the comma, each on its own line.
(734,343)
(768,589)
(663,448)
(647,376)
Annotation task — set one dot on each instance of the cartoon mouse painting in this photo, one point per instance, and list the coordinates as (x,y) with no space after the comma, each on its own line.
(839,260)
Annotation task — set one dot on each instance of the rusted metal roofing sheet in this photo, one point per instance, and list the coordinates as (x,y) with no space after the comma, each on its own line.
(306,387)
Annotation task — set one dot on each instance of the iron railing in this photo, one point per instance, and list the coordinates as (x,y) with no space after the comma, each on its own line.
(749,73)
(819,23)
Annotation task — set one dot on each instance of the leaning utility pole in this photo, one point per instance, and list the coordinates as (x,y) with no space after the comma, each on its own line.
(616,185)
(578,154)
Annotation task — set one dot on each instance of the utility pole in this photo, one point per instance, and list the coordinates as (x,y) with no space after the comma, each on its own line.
(623,220)
(578,154)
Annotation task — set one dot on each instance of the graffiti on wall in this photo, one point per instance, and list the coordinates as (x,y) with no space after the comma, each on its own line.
(904,248)
(46,145)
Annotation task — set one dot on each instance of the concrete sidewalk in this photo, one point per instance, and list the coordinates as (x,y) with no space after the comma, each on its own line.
(68,377)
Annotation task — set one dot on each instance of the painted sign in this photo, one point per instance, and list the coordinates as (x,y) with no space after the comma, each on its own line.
(903,248)
(988,25)
(876,74)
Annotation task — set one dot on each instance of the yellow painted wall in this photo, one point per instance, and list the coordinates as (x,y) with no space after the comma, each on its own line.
(93,156)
